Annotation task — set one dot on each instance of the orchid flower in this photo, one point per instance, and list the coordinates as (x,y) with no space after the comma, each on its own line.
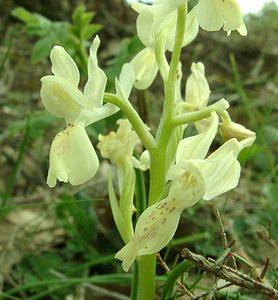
(212,15)
(118,146)
(220,170)
(72,156)
(158,223)
(156,25)
(229,129)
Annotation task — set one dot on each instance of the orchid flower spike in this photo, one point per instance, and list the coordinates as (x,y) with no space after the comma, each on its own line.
(72,156)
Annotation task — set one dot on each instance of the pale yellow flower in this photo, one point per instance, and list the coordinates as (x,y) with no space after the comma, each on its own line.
(158,223)
(118,146)
(212,15)
(220,170)
(72,156)
(157,24)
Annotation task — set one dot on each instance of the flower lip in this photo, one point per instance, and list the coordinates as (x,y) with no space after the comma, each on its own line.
(72,151)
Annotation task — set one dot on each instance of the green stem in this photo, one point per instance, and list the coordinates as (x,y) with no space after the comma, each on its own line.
(146,277)
(239,87)
(147,263)
(190,117)
(158,167)
(161,58)
(134,283)
(140,193)
(133,117)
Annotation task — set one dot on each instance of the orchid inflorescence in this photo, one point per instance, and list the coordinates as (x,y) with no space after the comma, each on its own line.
(183,170)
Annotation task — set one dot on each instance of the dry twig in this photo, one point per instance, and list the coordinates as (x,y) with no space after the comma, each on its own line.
(229,274)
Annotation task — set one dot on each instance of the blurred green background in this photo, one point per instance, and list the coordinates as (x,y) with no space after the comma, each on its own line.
(53,240)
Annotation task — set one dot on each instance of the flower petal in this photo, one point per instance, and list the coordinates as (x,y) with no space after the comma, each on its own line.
(197,89)
(214,14)
(154,229)
(155,19)
(197,146)
(144,161)
(95,86)
(145,23)
(188,184)
(64,66)
(125,82)
(191,29)
(221,169)
(231,129)
(90,116)
(145,67)
(72,157)
(61,98)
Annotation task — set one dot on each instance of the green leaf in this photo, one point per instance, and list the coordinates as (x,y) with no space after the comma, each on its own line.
(90,30)
(86,18)
(40,121)
(79,220)
(42,48)
(82,18)
(24,15)
(36,24)
(173,276)
(117,214)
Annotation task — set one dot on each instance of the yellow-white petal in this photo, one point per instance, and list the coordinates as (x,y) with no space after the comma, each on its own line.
(144,161)
(221,169)
(72,157)
(188,184)
(145,67)
(154,229)
(231,129)
(90,116)
(61,98)
(64,66)
(145,23)
(197,146)
(197,88)
(125,82)
(95,86)
(212,15)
